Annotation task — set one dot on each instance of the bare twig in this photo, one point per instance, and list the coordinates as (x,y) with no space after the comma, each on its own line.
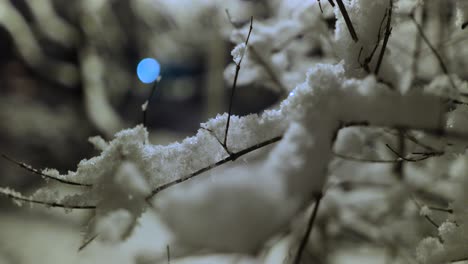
(368,59)
(148,101)
(234,84)
(271,73)
(402,150)
(428,218)
(419,143)
(450,211)
(37,172)
(347,20)
(310,224)
(388,32)
(320,6)
(434,51)
(168,253)
(358,159)
(22,198)
(424,155)
(87,242)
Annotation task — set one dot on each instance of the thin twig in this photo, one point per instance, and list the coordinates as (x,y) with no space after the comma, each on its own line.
(346,157)
(51,204)
(37,172)
(398,169)
(168,253)
(148,101)
(388,32)
(434,51)
(347,20)
(233,156)
(86,243)
(368,59)
(269,70)
(429,219)
(234,84)
(450,211)
(421,144)
(310,224)
(418,46)
(425,155)
(217,139)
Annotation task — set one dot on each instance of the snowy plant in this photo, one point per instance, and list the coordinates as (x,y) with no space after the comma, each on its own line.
(361,152)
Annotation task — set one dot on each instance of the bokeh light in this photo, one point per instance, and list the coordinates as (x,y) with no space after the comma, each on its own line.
(148,70)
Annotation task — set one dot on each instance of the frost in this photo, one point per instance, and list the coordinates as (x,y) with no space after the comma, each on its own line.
(144,106)
(238,52)
(428,250)
(425,211)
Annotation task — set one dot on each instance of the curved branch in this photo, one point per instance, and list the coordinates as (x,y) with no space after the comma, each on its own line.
(19,197)
(37,172)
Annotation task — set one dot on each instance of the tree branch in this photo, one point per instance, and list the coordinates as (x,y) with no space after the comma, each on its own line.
(37,172)
(347,20)
(310,224)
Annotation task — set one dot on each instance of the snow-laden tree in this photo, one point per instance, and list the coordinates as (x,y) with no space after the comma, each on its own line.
(365,150)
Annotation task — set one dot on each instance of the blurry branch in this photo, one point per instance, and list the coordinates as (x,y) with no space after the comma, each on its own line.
(320,5)
(418,43)
(306,236)
(51,25)
(269,70)
(401,149)
(359,159)
(388,32)
(329,1)
(347,20)
(428,218)
(87,242)
(432,48)
(399,166)
(19,197)
(419,143)
(214,79)
(46,176)
(449,211)
(30,51)
(168,253)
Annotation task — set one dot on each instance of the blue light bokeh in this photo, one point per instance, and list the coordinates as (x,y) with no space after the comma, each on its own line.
(148,70)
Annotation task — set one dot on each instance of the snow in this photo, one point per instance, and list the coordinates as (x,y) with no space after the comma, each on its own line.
(238,52)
